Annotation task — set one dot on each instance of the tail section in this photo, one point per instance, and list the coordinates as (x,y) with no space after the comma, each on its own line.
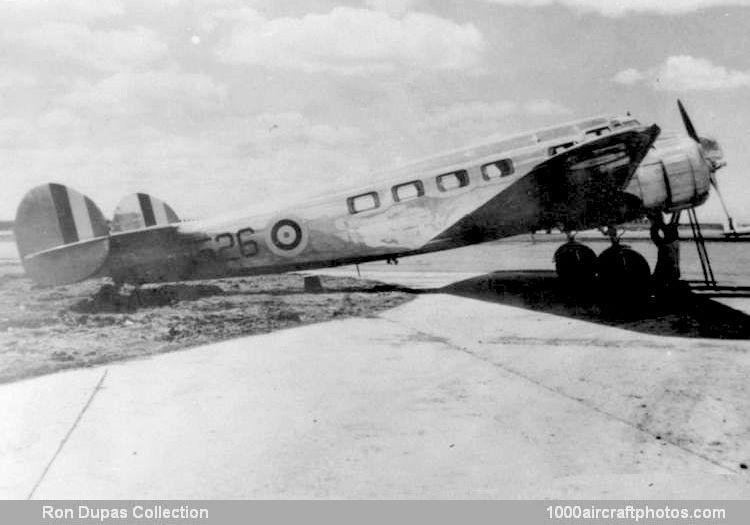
(62,236)
(139,210)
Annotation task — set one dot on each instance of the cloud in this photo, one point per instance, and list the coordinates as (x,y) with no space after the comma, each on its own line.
(157,93)
(199,175)
(235,161)
(615,8)
(483,117)
(109,50)
(117,109)
(686,73)
(544,107)
(278,131)
(392,7)
(17,11)
(628,76)
(353,41)
(17,79)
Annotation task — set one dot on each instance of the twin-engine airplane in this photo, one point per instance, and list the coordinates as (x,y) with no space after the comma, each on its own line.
(593,173)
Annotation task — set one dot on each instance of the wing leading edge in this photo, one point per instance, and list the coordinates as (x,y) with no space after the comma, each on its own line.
(579,188)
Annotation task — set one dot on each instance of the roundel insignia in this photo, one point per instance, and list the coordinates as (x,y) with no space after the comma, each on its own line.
(286,237)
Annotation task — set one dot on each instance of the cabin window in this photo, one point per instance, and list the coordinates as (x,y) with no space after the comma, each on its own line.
(364,202)
(499,168)
(452,181)
(554,150)
(408,191)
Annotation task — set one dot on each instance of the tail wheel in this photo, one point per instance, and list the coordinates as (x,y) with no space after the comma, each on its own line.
(623,277)
(575,263)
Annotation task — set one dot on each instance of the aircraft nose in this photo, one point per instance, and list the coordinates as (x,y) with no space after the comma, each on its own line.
(713,153)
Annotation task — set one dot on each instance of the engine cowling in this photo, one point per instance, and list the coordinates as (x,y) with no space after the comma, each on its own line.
(672,177)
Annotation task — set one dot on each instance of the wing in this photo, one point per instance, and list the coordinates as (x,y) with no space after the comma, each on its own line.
(576,189)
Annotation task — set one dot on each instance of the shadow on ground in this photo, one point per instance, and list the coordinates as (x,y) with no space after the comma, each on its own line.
(682,313)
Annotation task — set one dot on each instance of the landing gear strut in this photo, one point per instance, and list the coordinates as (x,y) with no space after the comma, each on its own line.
(666,237)
(619,276)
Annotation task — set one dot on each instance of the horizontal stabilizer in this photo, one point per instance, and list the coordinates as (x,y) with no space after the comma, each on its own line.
(61,235)
(140,210)
(67,264)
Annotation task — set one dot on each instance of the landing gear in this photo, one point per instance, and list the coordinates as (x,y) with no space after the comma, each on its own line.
(620,277)
(623,276)
(575,263)
(666,238)
(665,235)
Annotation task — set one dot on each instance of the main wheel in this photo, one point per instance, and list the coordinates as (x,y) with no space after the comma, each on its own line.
(575,263)
(623,277)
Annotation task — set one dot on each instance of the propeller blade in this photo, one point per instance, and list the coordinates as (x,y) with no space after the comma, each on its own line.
(723,204)
(688,123)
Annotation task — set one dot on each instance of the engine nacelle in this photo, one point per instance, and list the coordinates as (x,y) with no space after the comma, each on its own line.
(672,177)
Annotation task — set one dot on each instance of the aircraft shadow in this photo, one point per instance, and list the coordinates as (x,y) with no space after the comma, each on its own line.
(683,313)
(376,288)
(739,292)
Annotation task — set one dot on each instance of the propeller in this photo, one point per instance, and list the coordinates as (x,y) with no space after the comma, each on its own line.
(709,148)
(687,122)
(710,151)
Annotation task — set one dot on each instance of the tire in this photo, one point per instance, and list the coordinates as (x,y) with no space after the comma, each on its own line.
(623,279)
(575,263)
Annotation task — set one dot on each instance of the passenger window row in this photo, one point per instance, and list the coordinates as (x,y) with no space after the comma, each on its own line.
(414,189)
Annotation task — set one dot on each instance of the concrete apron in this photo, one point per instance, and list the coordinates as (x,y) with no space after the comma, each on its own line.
(443,397)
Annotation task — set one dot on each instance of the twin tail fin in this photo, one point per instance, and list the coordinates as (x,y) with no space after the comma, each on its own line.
(63,237)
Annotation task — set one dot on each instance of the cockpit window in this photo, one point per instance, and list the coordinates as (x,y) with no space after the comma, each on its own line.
(598,132)
(625,122)
(554,150)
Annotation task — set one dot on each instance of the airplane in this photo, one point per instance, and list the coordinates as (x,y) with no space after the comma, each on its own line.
(597,172)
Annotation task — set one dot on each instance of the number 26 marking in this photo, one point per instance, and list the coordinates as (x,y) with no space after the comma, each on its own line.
(248,247)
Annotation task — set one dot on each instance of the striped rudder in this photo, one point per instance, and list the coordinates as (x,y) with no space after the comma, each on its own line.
(140,210)
(61,235)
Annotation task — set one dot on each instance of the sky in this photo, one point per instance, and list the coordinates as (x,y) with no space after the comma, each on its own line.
(215,105)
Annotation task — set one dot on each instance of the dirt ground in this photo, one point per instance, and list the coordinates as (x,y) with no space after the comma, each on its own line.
(44,330)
